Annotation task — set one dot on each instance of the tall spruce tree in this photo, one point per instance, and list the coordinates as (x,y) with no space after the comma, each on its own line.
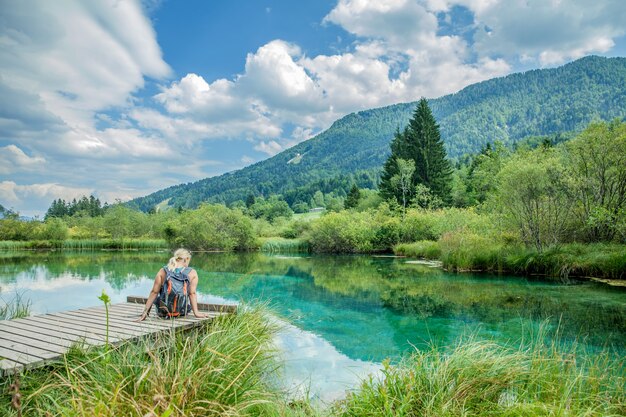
(420,142)
(353,197)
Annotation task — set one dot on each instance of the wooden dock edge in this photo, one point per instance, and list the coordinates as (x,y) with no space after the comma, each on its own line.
(220,308)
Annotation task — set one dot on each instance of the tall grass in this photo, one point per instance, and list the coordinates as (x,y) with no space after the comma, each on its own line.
(223,369)
(16,308)
(466,251)
(571,260)
(123,244)
(282,245)
(85,244)
(481,378)
(428,249)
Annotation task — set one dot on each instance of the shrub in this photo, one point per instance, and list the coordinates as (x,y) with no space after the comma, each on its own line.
(212,227)
(342,232)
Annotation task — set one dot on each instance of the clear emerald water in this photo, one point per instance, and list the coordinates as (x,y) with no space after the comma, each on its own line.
(342,315)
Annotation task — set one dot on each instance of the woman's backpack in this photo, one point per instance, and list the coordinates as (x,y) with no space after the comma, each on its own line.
(173,300)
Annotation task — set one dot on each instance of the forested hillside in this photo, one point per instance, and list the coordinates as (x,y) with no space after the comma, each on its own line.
(353,149)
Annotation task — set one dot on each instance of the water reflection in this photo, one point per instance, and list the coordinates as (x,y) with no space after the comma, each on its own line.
(346,312)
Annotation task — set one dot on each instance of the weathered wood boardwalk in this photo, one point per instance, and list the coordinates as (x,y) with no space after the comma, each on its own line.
(33,341)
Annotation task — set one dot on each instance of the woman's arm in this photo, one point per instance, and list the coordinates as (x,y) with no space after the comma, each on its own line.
(193,284)
(154,293)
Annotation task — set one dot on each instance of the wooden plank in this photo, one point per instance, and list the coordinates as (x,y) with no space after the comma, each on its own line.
(131,318)
(9,339)
(185,319)
(98,331)
(224,308)
(119,324)
(94,324)
(7,365)
(114,321)
(37,328)
(23,358)
(51,339)
(33,341)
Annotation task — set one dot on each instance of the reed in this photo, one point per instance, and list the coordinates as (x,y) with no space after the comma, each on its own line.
(15,308)
(481,378)
(572,260)
(428,249)
(282,245)
(86,244)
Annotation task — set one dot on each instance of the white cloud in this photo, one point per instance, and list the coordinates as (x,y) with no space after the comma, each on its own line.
(270,147)
(246,160)
(67,61)
(549,32)
(274,75)
(13,160)
(402,24)
(38,196)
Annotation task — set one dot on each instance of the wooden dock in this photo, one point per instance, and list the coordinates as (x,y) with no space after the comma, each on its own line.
(33,341)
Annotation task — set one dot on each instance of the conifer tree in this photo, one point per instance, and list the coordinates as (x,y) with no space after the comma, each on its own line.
(420,142)
(353,197)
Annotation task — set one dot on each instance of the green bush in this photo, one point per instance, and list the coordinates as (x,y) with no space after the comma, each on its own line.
(212,227)
(342,232)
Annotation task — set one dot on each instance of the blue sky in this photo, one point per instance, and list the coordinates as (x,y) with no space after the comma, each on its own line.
(120,98)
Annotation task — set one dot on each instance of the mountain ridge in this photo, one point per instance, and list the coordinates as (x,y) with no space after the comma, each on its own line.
(531,103)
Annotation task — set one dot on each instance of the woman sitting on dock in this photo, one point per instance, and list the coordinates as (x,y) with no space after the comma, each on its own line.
(174,289)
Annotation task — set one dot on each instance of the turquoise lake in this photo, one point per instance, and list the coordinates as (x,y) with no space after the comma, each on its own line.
(341,315)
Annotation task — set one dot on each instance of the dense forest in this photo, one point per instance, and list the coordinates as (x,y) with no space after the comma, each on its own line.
(546,102)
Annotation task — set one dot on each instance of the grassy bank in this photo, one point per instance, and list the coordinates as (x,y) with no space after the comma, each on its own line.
(480,378)
(86,244)
(224,369)
(282,245)
(471,252)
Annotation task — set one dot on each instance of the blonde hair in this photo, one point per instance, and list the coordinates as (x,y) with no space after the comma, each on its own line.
(179,255)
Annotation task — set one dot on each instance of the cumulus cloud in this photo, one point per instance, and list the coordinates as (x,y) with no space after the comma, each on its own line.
(37,195)
(548,32)
(270,147)
(13,159)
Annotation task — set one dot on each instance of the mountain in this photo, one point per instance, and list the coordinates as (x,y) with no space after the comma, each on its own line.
(509,109)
